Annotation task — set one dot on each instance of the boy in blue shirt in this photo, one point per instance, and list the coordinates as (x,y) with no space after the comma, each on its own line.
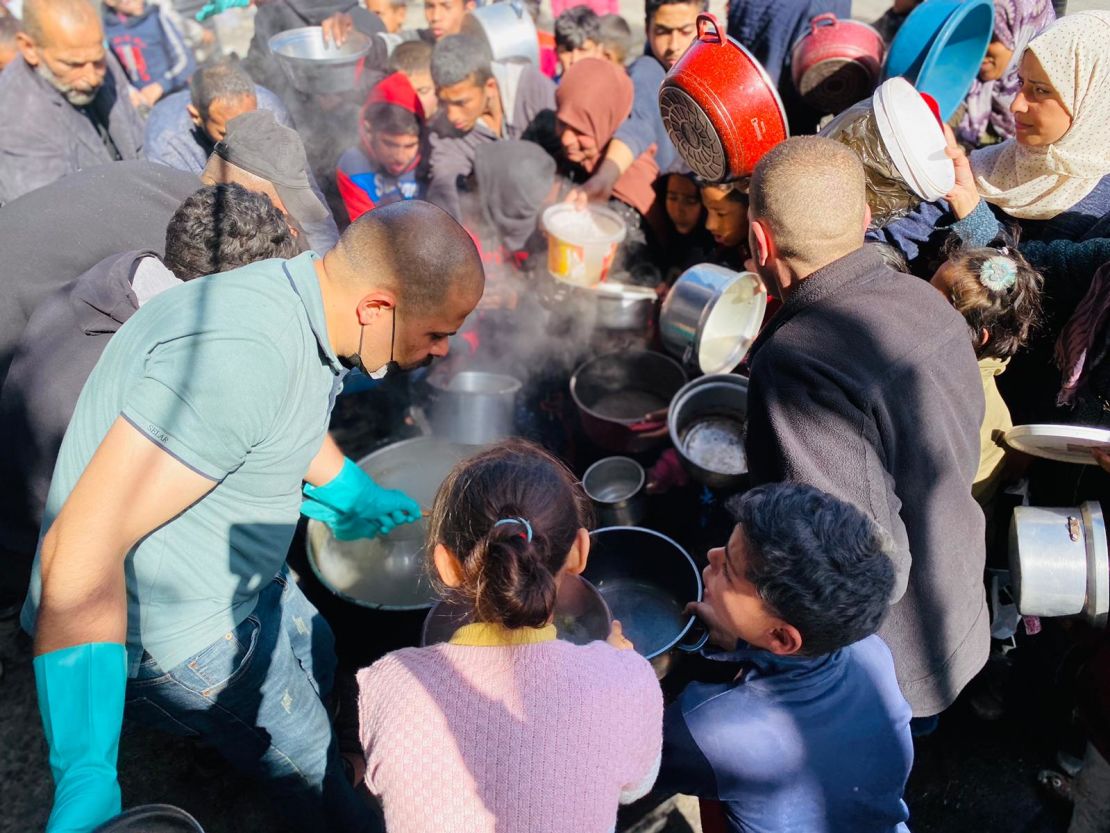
(150,48)
(812,734)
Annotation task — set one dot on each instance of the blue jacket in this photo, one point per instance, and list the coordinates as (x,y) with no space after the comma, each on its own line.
(820,744)
(150,47)
(644,126)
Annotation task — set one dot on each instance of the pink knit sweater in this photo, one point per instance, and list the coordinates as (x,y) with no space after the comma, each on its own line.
(527,738)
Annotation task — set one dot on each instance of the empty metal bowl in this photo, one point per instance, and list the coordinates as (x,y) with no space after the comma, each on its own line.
(315,67)
(616,487)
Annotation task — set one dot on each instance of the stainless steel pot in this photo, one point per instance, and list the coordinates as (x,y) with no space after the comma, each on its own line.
(581,615)
(711,316)
(387,573)
(706,424)
(616,487)
(610,305)
(647,580)
(313,67)
(508,29)
(622,398)
(473,407)
(1059,562)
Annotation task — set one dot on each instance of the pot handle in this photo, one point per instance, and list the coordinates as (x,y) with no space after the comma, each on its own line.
(826,19)
(699,643)
(706,19)
(655,422)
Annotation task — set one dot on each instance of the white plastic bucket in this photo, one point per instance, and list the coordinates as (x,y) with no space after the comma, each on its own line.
(581,245)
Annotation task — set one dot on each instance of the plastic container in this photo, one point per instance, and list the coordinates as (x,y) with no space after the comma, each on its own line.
(581,245)
(939,49)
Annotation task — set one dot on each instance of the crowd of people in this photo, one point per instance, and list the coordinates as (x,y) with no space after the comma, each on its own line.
(200,257)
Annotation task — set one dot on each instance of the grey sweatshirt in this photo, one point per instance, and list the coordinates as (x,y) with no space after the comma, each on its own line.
(865,385)
(525,93)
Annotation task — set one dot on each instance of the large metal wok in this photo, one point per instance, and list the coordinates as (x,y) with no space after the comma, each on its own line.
(388,573)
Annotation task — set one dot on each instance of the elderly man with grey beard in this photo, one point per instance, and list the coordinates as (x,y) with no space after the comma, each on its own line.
(65,99)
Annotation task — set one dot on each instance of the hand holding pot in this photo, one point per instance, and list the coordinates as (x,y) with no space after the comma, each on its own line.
(354,506)
(336,28)
(617,638)
(718,634)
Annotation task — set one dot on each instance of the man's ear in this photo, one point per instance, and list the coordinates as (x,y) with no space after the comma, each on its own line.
(194,115)
(375,303)
(764,243)
(27,48)
(470,5)
(784,639)
(866,218)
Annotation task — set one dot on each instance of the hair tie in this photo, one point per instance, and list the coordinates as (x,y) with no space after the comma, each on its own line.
(527,526)
(998,273)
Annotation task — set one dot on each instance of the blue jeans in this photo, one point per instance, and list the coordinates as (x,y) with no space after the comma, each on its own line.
(257,696)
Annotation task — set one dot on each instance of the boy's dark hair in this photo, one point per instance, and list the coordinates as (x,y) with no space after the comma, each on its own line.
(508,575)
(222,227)
(458,58)
(652,6)
(818,562)
(733,192)
(392,119)
(223,80)
(575,26)
(614,34)
(1010,316)
(411,57)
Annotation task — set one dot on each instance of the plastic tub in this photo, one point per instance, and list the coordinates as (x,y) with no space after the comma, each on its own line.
(581,245)
(940,47)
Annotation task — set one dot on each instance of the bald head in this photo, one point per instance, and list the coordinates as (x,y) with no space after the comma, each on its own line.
(809,193)
(45,20)
(414,249)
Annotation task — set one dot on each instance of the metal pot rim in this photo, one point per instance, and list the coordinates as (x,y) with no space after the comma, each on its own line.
(623,459)
(739,350)
(604,418)
(354,36)
(694,567)
(443,384)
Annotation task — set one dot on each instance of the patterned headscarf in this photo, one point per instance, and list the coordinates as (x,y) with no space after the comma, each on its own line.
(1016,23)
(1040,183)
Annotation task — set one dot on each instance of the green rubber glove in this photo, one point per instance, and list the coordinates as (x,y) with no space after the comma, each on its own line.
(354,506)
(217,6)
(80,693)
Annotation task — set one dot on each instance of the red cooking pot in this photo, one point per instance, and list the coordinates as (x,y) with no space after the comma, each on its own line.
(720,107)
(836,63)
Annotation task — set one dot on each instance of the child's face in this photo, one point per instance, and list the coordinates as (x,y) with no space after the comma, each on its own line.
(445,17)
(131,8)
(394,151)
(466,102)
(726,218)
(425,90)
(737,609)
(683,203)
(569,57)
(393,17)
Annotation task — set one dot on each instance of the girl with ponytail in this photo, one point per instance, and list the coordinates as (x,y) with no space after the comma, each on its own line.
(505,727)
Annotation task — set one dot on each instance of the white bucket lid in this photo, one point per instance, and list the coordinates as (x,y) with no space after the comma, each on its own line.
(1064,443)
(914,139)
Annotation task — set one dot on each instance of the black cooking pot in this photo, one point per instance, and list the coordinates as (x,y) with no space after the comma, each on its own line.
(647,580)
(622,398)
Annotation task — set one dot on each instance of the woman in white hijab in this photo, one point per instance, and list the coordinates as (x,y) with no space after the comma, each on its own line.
(1053,178)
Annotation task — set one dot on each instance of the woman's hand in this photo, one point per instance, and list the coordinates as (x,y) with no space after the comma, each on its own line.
(964,196)
(617,638)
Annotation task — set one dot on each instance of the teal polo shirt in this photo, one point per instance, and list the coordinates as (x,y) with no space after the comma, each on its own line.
(233,375)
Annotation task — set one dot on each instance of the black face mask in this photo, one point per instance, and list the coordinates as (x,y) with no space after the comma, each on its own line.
(390,368)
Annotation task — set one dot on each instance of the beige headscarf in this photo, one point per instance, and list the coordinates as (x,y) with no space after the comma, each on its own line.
(1039,183)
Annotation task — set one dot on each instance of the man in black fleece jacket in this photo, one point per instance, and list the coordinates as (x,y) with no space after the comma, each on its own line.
(865,385)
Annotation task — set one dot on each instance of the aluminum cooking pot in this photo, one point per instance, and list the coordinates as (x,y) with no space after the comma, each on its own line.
(706,424)
(507,28)
(389,572)
(581,615)
(647,580)
(616,487)
(720,107)
(622,398)
(836,63)
(711,316)
(609,305)
(1059,563)
(473,407)
(315,67)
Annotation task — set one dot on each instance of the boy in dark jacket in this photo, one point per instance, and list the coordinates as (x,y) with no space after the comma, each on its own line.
(812,733)
(149,46)
(384,168)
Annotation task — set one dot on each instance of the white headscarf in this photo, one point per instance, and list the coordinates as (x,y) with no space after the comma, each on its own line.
(1039,183)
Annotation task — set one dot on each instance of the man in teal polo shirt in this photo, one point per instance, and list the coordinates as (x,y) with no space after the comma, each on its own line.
(160,578)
